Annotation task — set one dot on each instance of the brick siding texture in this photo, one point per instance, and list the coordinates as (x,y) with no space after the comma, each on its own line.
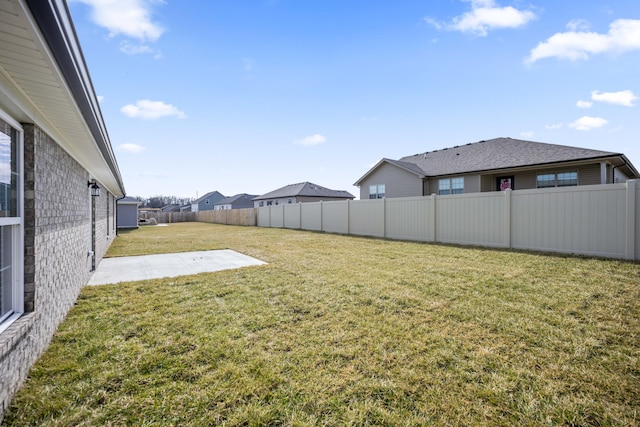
(57,242)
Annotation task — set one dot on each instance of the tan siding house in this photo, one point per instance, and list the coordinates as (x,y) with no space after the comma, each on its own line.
(494,165)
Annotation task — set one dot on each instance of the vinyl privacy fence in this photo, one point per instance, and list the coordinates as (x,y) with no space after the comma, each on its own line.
(598,220)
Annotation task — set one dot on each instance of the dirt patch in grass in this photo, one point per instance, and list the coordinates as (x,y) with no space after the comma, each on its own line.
(340,330)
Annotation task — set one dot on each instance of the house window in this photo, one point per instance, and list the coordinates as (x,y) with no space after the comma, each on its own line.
(560,179)
(567,179)
(269,203)
(11,249)
(376,191)
(290,201)
(546,180)
(261,204)
(451,186)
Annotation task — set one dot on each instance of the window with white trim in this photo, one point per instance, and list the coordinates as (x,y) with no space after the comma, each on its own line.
(11,240)
(559,179)
(377,191)
(451,186)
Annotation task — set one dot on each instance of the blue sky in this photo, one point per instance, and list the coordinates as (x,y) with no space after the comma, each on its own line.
(246,96)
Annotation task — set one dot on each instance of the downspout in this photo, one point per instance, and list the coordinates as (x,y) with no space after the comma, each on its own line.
(613,171)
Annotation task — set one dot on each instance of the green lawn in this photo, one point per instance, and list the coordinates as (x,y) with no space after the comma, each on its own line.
(340,330)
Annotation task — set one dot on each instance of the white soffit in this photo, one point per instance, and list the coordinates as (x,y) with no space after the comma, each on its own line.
(33,90)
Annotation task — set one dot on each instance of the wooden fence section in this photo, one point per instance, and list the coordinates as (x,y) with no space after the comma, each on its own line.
(230,217)
(170,217)
(598,220)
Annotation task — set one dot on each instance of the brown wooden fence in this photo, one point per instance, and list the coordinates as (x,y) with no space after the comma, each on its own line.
(230,217)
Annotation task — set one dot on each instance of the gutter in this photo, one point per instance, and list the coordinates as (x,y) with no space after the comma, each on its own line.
(54,21)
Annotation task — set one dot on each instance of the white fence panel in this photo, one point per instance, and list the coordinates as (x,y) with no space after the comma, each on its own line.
(335,217)
(600,220)
(366,217)
(410,218)
(292,215)
(277,216)
(473,219)
(264,216)
(311,216)
(583,220)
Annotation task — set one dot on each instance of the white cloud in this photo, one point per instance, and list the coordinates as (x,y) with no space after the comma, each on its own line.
(131,18)
(584,104)
(131,148)
(625,97)
(486,15)
(554,126)
(623,36)
(312,140)
(578,25)
(527,134)
(146,109)
(100,98)
(588,123)
(139,49)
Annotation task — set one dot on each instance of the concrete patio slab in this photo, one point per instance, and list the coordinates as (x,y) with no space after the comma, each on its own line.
(145,267)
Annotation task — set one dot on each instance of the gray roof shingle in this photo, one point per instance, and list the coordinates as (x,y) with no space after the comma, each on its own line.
(307,189)
(498,153)
(238,198)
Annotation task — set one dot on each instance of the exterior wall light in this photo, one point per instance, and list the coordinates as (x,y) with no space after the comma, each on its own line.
(95,189)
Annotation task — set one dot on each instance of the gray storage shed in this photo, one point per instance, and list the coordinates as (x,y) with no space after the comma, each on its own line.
(127,215)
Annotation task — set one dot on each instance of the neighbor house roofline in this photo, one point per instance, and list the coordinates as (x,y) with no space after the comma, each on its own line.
(626,162)
(499,154)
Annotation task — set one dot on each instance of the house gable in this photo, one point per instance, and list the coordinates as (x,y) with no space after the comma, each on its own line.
(398,181)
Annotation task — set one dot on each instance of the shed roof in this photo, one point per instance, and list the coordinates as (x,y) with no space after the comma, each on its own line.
(129,201)
(306,189)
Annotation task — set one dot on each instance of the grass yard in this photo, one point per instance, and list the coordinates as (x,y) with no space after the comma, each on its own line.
(340,330)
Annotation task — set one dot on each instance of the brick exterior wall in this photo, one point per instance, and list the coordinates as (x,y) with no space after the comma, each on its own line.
(58,231)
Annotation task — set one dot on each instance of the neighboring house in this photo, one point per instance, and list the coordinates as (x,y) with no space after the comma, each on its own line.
(59,218)
(239,201)
(171,208)
(300,193)
(206,202)
(127,213)
(493,165)
(185,208)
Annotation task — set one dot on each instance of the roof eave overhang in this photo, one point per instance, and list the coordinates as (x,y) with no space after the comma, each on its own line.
(69,93)
(624,162)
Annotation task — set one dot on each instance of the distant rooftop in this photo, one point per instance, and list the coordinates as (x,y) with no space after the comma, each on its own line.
(307,189)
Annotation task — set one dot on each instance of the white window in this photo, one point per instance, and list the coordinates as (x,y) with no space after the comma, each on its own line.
(451,186)
(376,191)
(560,179)
(11,243)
